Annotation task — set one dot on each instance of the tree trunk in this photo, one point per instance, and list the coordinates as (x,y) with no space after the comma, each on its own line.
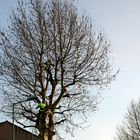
(51,132)
(45,125)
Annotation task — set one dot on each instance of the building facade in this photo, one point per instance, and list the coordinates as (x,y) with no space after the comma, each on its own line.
(6,132)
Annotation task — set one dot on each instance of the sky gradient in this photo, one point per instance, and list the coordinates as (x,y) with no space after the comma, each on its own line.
(120,19)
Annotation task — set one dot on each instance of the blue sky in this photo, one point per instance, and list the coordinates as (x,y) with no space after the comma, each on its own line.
(120,19)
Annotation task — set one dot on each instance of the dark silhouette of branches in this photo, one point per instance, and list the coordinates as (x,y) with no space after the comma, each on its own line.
(130,127)
(54,53)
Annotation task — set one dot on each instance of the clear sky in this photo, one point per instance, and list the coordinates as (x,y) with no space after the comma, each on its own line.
(121,21)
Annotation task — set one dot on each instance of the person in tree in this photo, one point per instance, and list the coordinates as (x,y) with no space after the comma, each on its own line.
(41,106)
(40,116)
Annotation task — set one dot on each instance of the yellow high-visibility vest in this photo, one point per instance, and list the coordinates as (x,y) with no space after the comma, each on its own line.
(42,106)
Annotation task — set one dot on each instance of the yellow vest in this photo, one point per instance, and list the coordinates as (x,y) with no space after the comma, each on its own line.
(42,106)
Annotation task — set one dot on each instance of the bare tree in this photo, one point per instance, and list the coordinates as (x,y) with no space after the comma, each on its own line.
(130,127)
(53,52)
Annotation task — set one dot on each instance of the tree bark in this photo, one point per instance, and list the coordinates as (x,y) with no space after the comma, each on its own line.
(51,132)
(45,125)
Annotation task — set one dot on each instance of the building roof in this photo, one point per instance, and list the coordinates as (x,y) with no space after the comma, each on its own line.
(8,122)
(20,133)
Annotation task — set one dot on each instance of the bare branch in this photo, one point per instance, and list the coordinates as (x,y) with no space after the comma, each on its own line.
(53,52)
